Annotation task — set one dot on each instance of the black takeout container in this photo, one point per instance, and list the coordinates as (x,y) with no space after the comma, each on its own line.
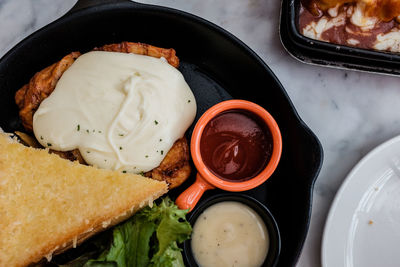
(327,54)
(216,65)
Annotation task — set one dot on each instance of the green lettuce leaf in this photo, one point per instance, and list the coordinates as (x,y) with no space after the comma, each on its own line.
(149,238)
(130,245)
(172,257)
(172,227)
(93,263)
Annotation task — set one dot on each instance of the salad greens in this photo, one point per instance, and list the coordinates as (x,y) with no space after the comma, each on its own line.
(148,239)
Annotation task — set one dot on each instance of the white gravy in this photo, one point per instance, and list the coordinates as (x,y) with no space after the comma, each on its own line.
(229,234)
(122,111)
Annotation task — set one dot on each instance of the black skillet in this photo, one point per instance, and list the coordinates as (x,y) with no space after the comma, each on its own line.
(216,65)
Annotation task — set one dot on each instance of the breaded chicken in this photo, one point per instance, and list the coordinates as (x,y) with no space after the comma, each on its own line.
(29,97)
(175,167)
(143,49)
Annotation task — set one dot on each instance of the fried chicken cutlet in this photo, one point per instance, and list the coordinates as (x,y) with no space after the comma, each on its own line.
(175,167)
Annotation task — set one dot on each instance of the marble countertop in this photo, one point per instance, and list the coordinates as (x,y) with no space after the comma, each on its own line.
(351,112)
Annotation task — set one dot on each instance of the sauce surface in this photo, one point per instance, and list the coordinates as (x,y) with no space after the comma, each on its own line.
(122,111)
(350,24)
(236,145)
(229,234)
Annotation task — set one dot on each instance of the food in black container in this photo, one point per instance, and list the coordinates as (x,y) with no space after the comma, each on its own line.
(359,34)
(363,24)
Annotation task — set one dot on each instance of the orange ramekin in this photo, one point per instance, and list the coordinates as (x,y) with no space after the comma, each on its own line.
(205,179)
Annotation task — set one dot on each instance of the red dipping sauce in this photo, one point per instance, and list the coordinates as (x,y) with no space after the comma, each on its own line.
(236,145)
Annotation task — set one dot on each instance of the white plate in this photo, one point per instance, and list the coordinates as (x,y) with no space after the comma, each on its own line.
(363,225)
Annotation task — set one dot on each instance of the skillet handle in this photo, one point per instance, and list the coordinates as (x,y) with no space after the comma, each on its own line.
(81,4)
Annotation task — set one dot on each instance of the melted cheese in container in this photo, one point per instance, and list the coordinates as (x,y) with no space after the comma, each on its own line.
(353,23)
(122,111)
(229,234)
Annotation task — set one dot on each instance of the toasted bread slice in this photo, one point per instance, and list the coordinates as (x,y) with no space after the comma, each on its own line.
(48,204)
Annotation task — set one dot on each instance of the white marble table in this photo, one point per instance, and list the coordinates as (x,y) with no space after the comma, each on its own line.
(350,112)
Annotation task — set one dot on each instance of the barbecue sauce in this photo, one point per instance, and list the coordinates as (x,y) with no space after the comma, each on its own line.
(236,145)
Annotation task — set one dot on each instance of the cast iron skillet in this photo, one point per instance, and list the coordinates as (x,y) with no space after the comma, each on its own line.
(216,65)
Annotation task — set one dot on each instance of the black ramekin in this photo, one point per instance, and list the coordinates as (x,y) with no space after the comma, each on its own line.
(272,227)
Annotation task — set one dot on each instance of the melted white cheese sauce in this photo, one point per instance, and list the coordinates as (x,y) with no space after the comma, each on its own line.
(229,234)
(361,20)
(122,111)
(389,41)
(315,30)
